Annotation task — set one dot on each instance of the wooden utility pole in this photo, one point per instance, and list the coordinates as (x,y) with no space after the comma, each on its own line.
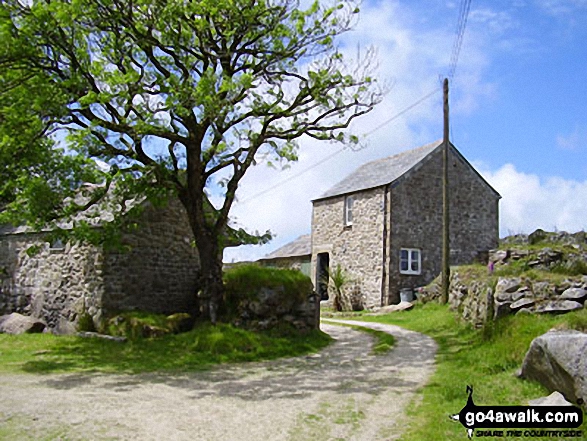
(445,215)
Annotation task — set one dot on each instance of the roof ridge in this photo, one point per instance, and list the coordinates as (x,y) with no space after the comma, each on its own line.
(370,175)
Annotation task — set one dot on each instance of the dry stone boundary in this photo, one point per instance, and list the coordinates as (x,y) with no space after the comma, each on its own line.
(344,392)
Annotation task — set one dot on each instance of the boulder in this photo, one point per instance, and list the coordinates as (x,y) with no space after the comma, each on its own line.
(554,399)
(575,294)
(537,236)
(522,303)
(16,323)
(505,287)
(557,361)
(558,307)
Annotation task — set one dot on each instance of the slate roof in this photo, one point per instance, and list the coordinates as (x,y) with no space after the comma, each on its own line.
(381,171)
(299,247)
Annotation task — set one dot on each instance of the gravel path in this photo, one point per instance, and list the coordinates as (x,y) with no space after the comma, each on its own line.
(342,393)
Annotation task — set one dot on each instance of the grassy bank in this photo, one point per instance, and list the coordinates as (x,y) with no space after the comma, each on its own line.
(486,359)
(195,350)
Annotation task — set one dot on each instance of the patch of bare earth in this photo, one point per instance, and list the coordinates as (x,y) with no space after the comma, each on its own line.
(344,392)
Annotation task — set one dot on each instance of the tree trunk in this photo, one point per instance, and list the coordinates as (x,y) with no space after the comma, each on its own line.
(212,288)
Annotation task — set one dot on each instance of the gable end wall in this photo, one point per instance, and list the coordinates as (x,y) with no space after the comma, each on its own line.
(416,219)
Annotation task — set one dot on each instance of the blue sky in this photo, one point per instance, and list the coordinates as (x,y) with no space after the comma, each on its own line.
(518,112)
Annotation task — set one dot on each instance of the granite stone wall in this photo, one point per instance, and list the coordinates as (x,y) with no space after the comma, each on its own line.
(358,249)
(416,219)
(53,284)
(159,273)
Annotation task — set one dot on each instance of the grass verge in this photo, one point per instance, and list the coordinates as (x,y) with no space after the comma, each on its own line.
(198,349)
(383,341)
(486,359)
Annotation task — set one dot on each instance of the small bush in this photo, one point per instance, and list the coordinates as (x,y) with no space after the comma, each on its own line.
(245,283)
(570,268)
(85,323)
(137,324)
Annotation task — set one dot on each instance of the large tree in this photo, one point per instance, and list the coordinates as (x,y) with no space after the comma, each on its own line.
(179,96)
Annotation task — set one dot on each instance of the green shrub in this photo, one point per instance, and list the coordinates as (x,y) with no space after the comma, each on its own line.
(570,268)
(137,324)
(85,323)
(246,282)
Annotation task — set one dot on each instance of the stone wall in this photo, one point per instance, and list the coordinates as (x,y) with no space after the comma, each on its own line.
(481,300)
(358,249)
(416,219)
(53,284)
(158,274)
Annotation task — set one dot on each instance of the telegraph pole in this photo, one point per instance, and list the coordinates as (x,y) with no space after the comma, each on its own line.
(445,215)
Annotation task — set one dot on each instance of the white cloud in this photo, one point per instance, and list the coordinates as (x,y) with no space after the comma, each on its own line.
(529,202)
(496,22)
(562,7)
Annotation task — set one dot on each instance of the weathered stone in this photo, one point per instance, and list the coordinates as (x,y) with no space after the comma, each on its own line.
(521,293)
(507,286)
(559,307)
(557,361)
(543,290)
(16,324)
(102,336)
(401,306)
(522,303)
(576,294)
(554,399)
(498,256)
(537,236)
(159,274)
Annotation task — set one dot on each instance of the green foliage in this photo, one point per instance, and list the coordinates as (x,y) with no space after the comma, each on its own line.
(198,349)
(486,359)
(178,97)
(246,282)
(85,323)
(226,83)
(138,324)
(570,268)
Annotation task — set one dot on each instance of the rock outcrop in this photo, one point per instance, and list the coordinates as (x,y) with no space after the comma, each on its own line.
(557,361)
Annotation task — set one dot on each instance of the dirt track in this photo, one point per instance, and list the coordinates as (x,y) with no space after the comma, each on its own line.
(342,393)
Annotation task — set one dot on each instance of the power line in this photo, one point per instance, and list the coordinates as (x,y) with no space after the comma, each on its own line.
(394,117)
(459,34)
(454,58)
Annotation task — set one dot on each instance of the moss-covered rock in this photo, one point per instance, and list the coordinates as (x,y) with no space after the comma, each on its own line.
(263,297)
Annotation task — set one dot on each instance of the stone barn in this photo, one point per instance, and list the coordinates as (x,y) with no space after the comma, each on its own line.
(383,223)
(294,255)
(158,272)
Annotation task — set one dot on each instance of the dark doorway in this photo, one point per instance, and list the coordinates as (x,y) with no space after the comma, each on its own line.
(322,267)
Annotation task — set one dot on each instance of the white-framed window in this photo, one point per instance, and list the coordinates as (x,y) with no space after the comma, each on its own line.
(348,210)
(410,261)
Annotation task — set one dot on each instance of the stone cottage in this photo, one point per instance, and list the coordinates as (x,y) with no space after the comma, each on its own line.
(383,223)
(59,282)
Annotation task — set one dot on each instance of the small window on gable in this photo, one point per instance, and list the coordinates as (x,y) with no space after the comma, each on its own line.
(410,261)
(348,210)
(56,246)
